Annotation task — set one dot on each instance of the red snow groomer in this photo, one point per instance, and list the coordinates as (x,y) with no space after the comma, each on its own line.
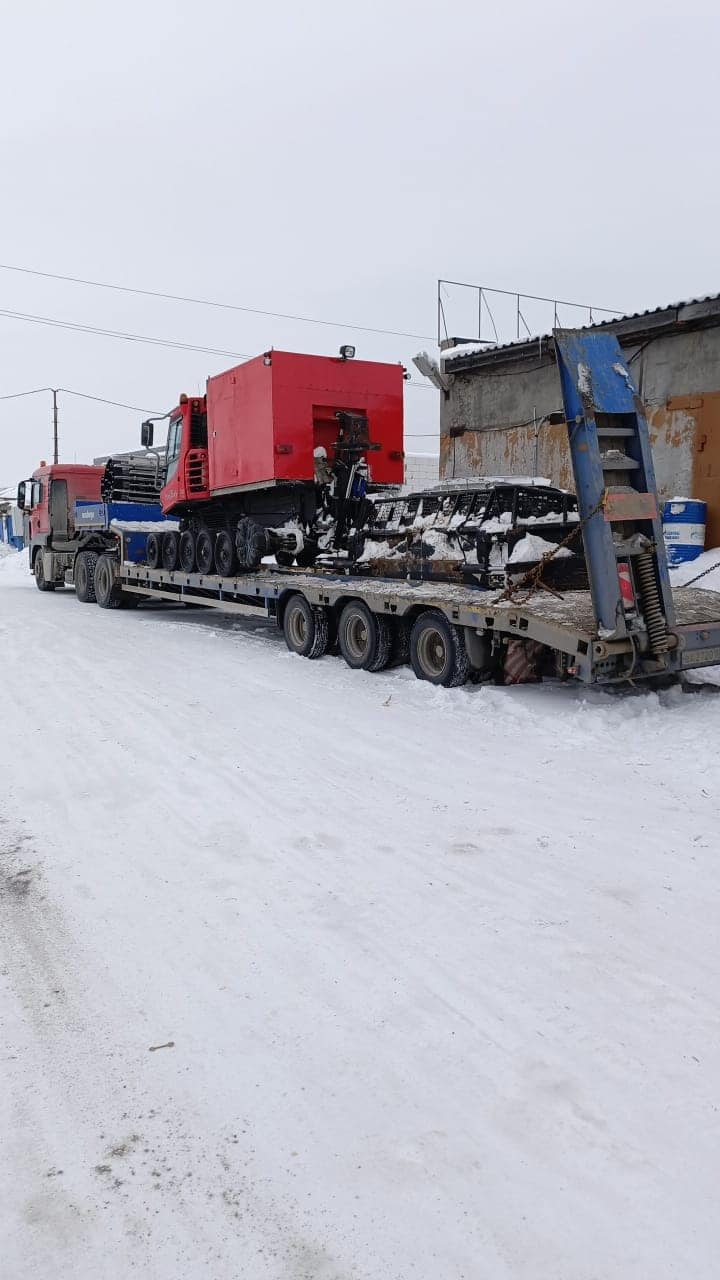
(277,458)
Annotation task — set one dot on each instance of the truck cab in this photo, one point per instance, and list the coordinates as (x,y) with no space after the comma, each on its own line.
(47,501)
(186,456)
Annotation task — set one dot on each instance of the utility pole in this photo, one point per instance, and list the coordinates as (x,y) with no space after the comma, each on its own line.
(55,423)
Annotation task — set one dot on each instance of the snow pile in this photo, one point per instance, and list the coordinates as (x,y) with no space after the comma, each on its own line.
(707,565)
(706,569)
(553,517)
(498,524)
(533,547)
(145,526)
(376,551)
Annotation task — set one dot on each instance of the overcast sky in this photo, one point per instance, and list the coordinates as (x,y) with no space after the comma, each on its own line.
(332,160)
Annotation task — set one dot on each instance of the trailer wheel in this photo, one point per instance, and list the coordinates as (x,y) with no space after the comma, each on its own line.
(305,628)
(204,551)
(107,589)
(186,551)
(153,551)
(170,551)
(437,650)
(84,575)
(365,638)
(39,570)
(224,554)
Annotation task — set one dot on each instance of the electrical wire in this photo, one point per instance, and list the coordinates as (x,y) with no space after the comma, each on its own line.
(207,302)
(84,395)
(18,395)
(54,323)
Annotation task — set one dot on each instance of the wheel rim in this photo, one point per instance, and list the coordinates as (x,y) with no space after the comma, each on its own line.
(357,636)
(204,553)
(224,552)
(432,651)
(170,551)
(297,626)
(187,552)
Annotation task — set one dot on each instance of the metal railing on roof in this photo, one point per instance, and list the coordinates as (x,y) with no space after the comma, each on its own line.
(506,315)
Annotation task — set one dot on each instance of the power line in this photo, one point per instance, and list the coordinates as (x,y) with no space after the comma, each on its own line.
(54,323)
(18,395)
(84,395)
(207,302)
(126,337)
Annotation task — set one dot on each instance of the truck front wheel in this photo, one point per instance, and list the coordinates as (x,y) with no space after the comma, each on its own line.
(84,575)
(39,570)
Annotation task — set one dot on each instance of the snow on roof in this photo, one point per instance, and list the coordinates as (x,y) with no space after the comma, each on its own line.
(709,305)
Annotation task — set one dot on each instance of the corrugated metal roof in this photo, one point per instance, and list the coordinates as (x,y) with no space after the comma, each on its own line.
(692,311)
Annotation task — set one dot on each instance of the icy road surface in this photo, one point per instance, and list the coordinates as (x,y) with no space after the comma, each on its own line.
(314,975)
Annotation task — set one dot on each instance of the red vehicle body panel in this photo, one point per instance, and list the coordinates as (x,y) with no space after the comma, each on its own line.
(266,417)
(83,485)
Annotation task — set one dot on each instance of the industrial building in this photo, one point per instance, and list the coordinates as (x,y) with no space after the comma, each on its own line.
(493,417)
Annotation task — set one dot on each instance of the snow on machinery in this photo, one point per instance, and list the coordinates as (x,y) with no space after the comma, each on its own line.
(478,612)
(277,457)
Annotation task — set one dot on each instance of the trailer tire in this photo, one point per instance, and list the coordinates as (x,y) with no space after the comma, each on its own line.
(305,627)
(153,551)
(39,570)
(84,575)
(365,638)
(107,589)
(170,550)
(204,551)
(437,650)
(186,551)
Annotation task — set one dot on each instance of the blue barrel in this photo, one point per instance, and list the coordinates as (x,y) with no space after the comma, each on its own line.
(684,529)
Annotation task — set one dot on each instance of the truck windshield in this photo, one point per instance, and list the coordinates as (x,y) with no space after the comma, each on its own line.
(173,445)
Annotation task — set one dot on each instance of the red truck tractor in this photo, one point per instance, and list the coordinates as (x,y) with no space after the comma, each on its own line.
(48,502)
(277,458)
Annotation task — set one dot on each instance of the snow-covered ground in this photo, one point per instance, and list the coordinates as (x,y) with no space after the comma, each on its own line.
(704,573)
(306,973)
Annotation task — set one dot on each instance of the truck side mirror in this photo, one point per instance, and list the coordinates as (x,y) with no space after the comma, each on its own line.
(146,435)
(21,495)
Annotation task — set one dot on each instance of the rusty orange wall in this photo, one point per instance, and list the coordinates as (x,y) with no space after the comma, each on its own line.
(706,462)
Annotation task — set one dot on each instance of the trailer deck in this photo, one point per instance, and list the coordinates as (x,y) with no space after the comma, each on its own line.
(566,625)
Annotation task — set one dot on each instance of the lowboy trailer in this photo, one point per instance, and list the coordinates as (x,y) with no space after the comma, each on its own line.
(628,626)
